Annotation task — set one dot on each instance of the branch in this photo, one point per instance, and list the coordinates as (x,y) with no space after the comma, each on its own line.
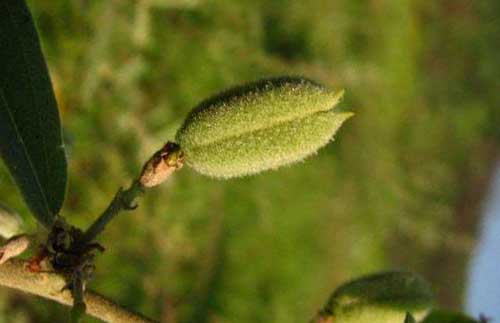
(13,274)
(53,286)
(123,200)
(156,170)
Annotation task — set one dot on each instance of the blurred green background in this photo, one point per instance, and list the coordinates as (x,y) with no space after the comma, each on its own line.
(399,188)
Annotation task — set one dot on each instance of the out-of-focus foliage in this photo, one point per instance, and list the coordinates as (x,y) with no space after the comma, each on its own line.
(398,188)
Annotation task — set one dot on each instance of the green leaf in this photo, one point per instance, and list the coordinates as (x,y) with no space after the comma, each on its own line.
(380,298)
(442,316)
(260,126)
(30,132)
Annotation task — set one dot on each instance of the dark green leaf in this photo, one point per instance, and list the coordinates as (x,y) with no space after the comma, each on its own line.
(30,131)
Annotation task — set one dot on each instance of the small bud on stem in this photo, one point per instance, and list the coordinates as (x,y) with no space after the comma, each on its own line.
(155,171)
(14,247)
(10,222)
(161,165)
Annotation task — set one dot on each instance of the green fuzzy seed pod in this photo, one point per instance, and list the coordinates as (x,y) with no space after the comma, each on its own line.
(260,126)
(440,316)
(380,298)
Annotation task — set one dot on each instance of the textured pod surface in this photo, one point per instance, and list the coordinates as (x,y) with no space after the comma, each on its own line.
(260,126)
(381,298)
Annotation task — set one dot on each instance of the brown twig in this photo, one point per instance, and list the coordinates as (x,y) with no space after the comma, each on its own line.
(13,274)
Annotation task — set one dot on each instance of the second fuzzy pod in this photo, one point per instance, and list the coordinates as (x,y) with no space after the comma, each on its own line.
(385,297)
